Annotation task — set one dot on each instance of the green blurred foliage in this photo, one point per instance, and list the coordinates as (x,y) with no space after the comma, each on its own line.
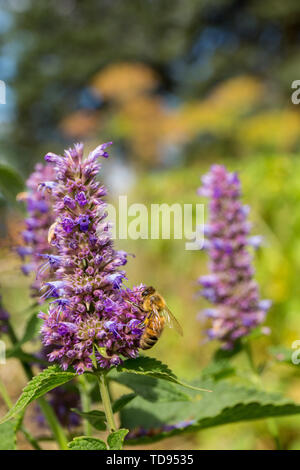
(52,50)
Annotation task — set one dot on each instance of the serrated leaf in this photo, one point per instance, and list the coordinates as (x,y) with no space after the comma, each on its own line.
(11,183)
(144,365)
(122,401)
(94,417)
(116,439)
(8,436)
(147,366)
(228,404)
(87,443)
(146,415)
(150,388)
(48,379)
(32,329)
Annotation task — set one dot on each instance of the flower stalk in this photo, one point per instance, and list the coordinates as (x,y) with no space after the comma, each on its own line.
(271,423)
(84,390)
(54,424)
(103,386)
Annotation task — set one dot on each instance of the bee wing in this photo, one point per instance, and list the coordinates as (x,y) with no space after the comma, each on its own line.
(155,316)
(171,321)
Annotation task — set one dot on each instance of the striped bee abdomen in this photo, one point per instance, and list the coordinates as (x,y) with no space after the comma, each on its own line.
(150,337)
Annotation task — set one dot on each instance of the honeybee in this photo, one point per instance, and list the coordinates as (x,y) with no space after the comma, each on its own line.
(158,316)
(21,197)
(51,233)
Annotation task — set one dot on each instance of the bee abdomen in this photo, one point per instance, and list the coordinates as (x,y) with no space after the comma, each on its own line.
(148,341)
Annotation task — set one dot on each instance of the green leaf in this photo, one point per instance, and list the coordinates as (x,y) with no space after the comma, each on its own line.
(32,328)
(227,404)
(50,378)
(95,392)
(222,354)
(19,421)
(147,366)
(254,334)
(95,418)
(144,414)
(8,436)
(116,439)
(87,443)
(123,401)
(218,370)
(24,357)
(11,183)
(150,388)
(144,365)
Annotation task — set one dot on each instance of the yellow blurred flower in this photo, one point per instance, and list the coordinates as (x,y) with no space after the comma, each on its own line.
(123,81)
(275,129)
(225,104)
(79,124)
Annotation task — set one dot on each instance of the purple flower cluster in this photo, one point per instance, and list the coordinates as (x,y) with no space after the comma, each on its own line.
(40,217)
(36,252)
(230,285)
(91,317)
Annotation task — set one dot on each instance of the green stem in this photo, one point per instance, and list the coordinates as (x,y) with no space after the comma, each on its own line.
(54,424)
(9,404)
(85,402)
(5,396)
(103,385)
(271,423)
(255,375)
(31,439)
(50,416)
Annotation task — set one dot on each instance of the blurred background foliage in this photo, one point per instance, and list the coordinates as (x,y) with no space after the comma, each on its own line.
(177,86)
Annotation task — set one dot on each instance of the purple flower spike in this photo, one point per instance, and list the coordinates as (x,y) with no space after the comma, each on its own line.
(230,286)
(92,313)
(40,217)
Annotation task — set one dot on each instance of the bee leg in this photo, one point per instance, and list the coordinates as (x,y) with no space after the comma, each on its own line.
(136,305)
